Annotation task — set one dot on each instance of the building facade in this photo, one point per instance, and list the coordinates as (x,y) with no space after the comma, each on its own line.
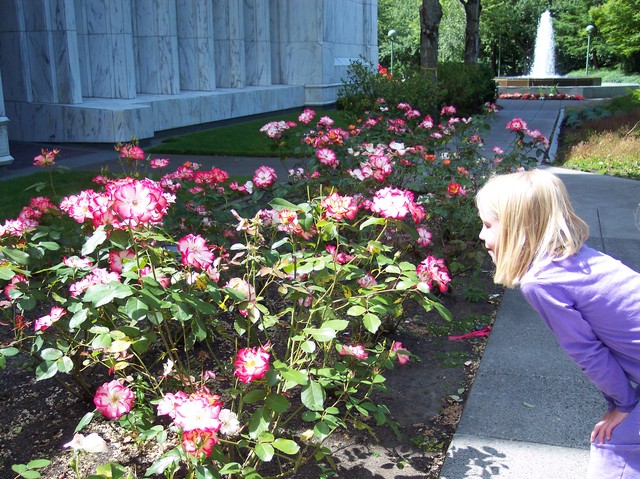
(106,70)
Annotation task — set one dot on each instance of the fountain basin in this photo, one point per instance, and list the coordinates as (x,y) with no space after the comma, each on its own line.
(587,87)
(528,82)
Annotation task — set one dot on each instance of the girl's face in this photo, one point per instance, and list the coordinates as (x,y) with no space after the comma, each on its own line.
(490,234)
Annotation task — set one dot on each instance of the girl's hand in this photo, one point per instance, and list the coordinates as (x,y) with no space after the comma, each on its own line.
(603,429)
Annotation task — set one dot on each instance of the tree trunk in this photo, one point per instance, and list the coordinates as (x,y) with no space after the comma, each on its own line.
(472,10)
(430,15)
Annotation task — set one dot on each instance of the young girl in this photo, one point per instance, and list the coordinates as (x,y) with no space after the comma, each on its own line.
(590,301)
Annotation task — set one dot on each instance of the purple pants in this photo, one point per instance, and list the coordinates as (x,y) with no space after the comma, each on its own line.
(618,458)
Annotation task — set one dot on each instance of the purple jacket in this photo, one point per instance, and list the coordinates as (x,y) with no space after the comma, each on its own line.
(591,302)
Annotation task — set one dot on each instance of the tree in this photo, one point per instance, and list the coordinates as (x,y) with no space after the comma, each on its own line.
(618,21)
(430,16)
(403,18)
(472,10)
(451,32)
(508,31)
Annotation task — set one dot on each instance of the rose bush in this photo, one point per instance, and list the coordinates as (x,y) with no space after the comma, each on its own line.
(240,325)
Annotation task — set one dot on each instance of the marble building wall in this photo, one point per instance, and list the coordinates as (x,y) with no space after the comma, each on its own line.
(105,46)
(104,70)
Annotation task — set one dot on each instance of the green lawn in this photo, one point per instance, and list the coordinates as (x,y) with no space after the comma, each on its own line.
(18,191)
(241,139)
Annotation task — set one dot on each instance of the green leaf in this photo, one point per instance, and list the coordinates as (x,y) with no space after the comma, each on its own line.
(337,324)
(161,465)
(102,294)
(46,370)
(259,422)
(231,468)
(29,474)
(86,419)
(78,319)
(371,322)
(313,396)
(6,273)
(18,256)
(254,396)
(98,237)
(286,445)
(322,334)
(282,204)
(51,354)
(371,221)
(277,403)
(50,245)
(38,463)
(203,472)
(7,352)
(444,312)
(264,451)
(321,430)
(356,310)
(308,347)
(136,309)
(289,374)
(64,364)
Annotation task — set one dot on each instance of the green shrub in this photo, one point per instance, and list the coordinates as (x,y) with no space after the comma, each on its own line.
(365,85)
(466,86)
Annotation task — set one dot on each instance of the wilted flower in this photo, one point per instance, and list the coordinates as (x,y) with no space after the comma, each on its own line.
(90,443)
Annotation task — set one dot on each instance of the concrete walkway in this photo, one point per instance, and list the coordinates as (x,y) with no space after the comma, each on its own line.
(530,411)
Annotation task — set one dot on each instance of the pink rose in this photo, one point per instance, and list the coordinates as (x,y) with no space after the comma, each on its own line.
(264,177)
(251,364)
(355,350)
(397,348)
(113,399)
(195,252)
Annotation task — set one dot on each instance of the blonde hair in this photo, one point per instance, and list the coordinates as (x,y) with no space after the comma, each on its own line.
(536,219)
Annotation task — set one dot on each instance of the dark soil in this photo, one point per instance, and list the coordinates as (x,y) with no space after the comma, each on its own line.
(425,396)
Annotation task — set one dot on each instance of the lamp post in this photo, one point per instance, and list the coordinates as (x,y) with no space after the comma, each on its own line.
(589,29)
(392,34)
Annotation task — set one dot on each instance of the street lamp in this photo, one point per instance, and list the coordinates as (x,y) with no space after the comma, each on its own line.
(589,29)
(392,34)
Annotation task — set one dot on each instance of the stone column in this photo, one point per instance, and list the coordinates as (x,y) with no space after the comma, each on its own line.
(257,42)
(105,43)
(196,45)
(5,157)
(39,38)
(229,43)
(156,45)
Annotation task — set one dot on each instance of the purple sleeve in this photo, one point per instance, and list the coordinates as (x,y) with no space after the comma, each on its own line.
(575,335)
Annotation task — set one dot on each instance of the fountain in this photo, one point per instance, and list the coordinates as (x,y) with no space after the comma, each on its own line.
(544,56)
(543,76)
